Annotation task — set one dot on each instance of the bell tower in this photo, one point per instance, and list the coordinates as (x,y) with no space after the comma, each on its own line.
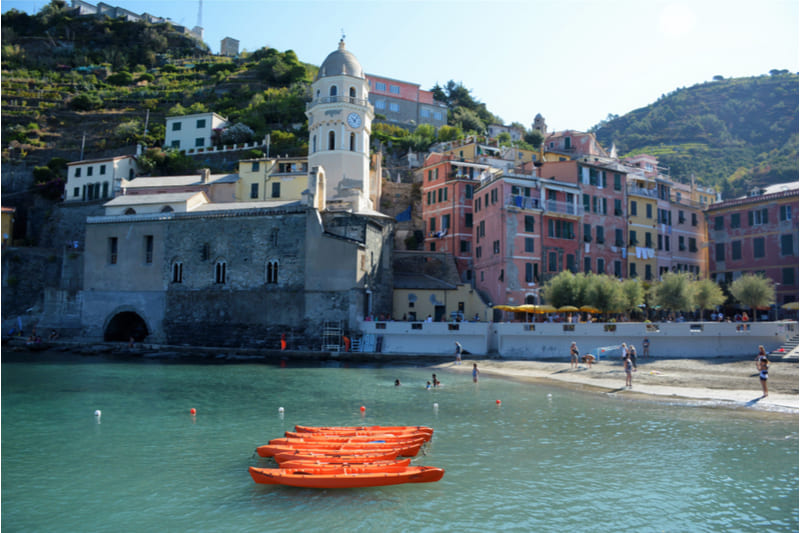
(339,125)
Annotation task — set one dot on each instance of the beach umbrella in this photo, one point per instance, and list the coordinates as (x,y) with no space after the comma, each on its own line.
(568,309)
(793,306)
(546,309)
(526,308)
(589,309)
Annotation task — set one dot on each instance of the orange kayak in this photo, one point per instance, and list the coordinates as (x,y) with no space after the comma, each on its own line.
(333,439)
(333,457)
(364,430)
(368,465)
(344,477)
(406,450)
(360,436)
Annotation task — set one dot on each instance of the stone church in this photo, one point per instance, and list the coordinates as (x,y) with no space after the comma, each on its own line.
(175,268)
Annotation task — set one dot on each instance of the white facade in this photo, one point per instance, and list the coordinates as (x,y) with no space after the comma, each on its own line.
(98,178)
(186,132)
(339,125)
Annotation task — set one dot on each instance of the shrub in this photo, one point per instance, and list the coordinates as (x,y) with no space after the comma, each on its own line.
(86,102)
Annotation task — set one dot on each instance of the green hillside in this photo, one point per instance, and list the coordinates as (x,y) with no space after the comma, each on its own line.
(730,133)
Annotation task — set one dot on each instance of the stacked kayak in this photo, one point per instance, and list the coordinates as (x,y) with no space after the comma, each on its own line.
(346,457)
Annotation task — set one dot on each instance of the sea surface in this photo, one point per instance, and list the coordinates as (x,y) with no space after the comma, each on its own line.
(542,459)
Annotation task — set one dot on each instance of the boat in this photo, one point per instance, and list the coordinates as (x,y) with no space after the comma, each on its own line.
(344,477)
(406,450)
(363,430)
(359,435)
(336,439)
(333,457)
(371,465)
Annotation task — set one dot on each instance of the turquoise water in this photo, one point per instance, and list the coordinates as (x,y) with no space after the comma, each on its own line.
(545,459)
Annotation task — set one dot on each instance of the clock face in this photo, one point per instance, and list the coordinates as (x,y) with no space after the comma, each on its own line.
(353,120)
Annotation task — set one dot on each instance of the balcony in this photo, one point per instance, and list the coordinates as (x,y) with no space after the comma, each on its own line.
(337,100)
(641,191)
(523,202)
(563,208)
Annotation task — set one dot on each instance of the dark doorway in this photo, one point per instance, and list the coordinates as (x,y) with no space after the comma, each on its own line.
(124,326)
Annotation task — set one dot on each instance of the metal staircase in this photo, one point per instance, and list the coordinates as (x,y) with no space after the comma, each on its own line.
(332,336)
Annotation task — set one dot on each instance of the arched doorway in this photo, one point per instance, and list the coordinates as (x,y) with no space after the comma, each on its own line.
(125,325)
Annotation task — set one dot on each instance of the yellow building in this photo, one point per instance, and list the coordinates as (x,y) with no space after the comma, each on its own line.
(642,228)
(272,179)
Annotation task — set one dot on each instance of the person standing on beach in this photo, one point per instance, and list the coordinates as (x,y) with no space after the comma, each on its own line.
(573,355)
(632,355)
(762,354)
(763,368)
(646,347)
(475,372)
(459,349)
(628,366)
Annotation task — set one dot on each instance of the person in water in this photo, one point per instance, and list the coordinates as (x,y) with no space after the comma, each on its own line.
(475,372)
(397,383)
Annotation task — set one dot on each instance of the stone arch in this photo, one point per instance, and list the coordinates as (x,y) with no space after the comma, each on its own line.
(124,323)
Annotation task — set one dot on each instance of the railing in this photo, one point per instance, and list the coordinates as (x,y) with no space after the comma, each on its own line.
(523,202)
(641,191)
(338,99)
(554,206)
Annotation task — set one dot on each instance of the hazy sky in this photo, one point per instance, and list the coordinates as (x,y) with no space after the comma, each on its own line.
(573,61)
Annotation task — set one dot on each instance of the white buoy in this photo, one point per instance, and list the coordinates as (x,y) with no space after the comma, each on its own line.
(97,413)
(280,409)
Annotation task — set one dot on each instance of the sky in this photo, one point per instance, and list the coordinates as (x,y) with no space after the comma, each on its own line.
(573,61)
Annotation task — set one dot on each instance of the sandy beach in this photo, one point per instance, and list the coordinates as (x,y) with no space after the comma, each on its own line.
(723,382)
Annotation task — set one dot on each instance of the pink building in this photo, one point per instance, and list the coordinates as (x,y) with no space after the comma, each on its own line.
(757,233)
(404,103)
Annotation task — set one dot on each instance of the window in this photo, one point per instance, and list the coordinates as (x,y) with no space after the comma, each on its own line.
(478,252)
(758,217)
(445,222)
(78,172)
(175,144)
(254,190)
(617,269)
(618,240)
(468,191)
(199,142)
(692,244)
(758,247)
(105,189)
(785,212)
(633,273)
(394,89)
(787,245)
(393,106)
(694,219)
(148,249)
(352,93)
(587,264)
(681,245)
(529,224)
(529,272)
(617,182)
(681,216)
(634,208)
(331,140)
(201,123)
(276,190)
(467,220)
(496,247)
(736,250)
(464,246)
(425,113)
(587,232)
(432,224)
(89,171)
(719,222)
(599,233)
(437,115)
(380,104)
(736,220)
(112,250)
(272,272)
(76,192)
(787,276)
(666,242)
(649,209)
(102,170)
(380,86)
(648,240)
(617,207)
(552,262)
(601,265)
(648,272)
(633,240)
(177,272)
(176,126)
(220,272)
(586,203)
(333,91)
(720,251)
(254,166)
(352,142)
(529,244)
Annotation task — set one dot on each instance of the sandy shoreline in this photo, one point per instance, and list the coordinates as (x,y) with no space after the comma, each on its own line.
(723,382)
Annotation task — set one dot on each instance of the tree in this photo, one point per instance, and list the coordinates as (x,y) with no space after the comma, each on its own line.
(633,294)
(560,290)
(707,295)
(450,133)
(674,292)
(238,133)
(605,293)
(534,137)
(753,290)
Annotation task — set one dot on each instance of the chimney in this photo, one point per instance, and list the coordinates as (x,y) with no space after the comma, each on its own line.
(206,174)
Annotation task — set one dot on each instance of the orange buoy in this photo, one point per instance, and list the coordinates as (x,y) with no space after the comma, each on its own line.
(193,411)
(363,408)
(497,402)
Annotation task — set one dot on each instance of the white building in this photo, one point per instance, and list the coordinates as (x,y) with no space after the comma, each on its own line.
(192,131)
(94,179)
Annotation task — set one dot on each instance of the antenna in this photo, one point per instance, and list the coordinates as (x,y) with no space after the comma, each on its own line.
(200,14)
(343,35)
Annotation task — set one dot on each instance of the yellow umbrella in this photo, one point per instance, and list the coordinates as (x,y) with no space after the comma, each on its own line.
(791,305)
(589,309)
(526,308)
(568,309)
(503,307)
(546,309)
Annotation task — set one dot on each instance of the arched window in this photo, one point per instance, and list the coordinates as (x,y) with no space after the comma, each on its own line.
(220,272)
(333,90)
(130,211)
(177,272)
(272,271)
(313,144)
(331,140)
(352,142)
(352,95)
(167,209)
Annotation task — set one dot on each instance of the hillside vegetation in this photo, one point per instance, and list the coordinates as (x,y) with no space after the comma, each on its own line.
(730,133)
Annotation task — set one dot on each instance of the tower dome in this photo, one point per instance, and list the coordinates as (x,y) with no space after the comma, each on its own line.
(341,62)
